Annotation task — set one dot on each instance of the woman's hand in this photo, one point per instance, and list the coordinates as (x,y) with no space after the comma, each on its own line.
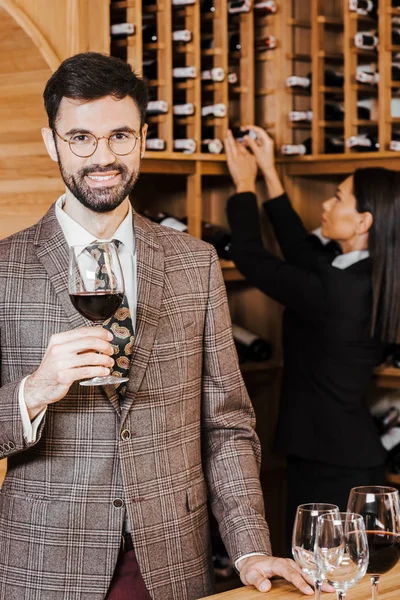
(263,150)
(242,165)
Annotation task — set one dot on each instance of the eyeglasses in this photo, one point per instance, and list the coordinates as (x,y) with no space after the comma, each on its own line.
(84,145)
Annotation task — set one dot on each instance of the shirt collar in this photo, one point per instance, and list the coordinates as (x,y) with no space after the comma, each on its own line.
(76,235)
(350,258)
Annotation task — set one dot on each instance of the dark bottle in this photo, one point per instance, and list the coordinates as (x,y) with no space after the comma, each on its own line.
(207,6)
(366,40)
(149,69)
(265,43)
(396,356)
(395,72)
(332,78)
(250,347)
(239,133)
(153,142)
(395,146)
(388,420)
(234,44)
(366,142)
(332,145)
(335,112)
(364,7)
(239,6)
(396,36)
(121,30)
(149,34)
(216,235)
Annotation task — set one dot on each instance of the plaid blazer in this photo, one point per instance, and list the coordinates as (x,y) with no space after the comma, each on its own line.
(187,410)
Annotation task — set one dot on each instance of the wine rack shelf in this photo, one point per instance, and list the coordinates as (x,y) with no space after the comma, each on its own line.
(387,376)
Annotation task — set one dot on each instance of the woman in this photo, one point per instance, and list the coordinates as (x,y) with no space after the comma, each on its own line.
(340,311)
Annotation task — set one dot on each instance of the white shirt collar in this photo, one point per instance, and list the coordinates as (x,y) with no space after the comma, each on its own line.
(76,235)
(342,261)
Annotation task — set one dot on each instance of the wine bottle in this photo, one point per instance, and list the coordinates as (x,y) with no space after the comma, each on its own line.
(266,43)
(183,2)
(239,6)
(334,111)
(149,34)
(121,30)
(395,146)
(267,7)
(184,73)
(388,420)
(207,6)
(332,145)
(234,44)
(331,79)
(367,74)
(250,347)
(182,35)
(157,107)
(212,146)
(149,69)
(396,356)
(300,116)
(366,40)
(216,110)
(366,142)
(185,145)
(233,78)
(216,74)
(215,235)
(186,109)
(153,142)
(395,36)
(364,7)
(239,133)
(395,71)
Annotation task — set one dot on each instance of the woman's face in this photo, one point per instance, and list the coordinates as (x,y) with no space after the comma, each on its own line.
(340,218)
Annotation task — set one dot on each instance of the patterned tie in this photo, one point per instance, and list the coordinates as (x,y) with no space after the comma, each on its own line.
(120,324)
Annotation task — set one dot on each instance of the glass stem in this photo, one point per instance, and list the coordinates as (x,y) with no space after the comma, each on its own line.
(318,589)
(340,595)
(374,584)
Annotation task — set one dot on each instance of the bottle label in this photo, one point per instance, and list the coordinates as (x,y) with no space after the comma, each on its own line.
(184,109)
(358,141)
(365,40)
(300,115)
(293,149)
(232,78)
(267,6)
(182,2)
(395,145)
(123,29)
(391,438)
(216,74)
(157,106)
(367,77)
(214,146)
(295,81)
(362,7)
(238,6)
(218,110)
(243,336)
(184,72)
(188,146)
(174,224)
(267,43)
(182,35)
(155,144)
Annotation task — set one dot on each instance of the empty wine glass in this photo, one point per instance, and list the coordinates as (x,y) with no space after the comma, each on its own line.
(379,505)
(341,550)
(96,289)
(303,539)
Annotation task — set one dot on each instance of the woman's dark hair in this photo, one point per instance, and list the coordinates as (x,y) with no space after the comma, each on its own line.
(377,191)
(90,76)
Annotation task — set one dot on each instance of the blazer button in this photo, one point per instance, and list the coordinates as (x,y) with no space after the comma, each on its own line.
(125,434)
(118,503)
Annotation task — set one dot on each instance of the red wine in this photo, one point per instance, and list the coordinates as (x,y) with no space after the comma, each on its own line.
(384,551)
(96,307)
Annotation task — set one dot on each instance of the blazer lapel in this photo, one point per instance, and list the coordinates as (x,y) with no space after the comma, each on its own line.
(150,278)
(53,252)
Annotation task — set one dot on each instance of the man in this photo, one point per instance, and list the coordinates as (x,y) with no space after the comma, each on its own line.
(106,490)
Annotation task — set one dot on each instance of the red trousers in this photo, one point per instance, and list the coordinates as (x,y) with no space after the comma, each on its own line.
(127,582)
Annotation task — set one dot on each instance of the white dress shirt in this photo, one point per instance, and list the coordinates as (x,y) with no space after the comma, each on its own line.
(342,261)
(76,235)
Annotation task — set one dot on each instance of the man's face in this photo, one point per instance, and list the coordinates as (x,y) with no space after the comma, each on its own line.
(103,180)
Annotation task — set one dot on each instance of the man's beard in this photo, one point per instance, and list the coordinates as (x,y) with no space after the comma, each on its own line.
(100,199)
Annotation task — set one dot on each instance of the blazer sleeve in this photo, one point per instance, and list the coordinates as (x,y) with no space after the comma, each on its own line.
(231,449)
(300,289)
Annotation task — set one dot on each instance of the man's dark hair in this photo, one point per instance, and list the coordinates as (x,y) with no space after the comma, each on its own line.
(377,190)
(90,76)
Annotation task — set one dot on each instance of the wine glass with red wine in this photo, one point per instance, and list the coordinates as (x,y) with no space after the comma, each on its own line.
(96,288)
(379,505)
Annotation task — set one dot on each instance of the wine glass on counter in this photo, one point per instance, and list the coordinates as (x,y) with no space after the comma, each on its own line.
(379,505)
(96,289)
(341,550)
(304,537)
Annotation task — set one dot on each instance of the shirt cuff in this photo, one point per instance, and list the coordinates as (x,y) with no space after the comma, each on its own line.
(29,428)
(246,556)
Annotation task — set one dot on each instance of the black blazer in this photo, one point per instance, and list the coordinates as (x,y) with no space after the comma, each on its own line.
(328,352)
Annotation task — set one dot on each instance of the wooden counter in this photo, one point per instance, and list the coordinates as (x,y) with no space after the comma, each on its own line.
(389,589)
